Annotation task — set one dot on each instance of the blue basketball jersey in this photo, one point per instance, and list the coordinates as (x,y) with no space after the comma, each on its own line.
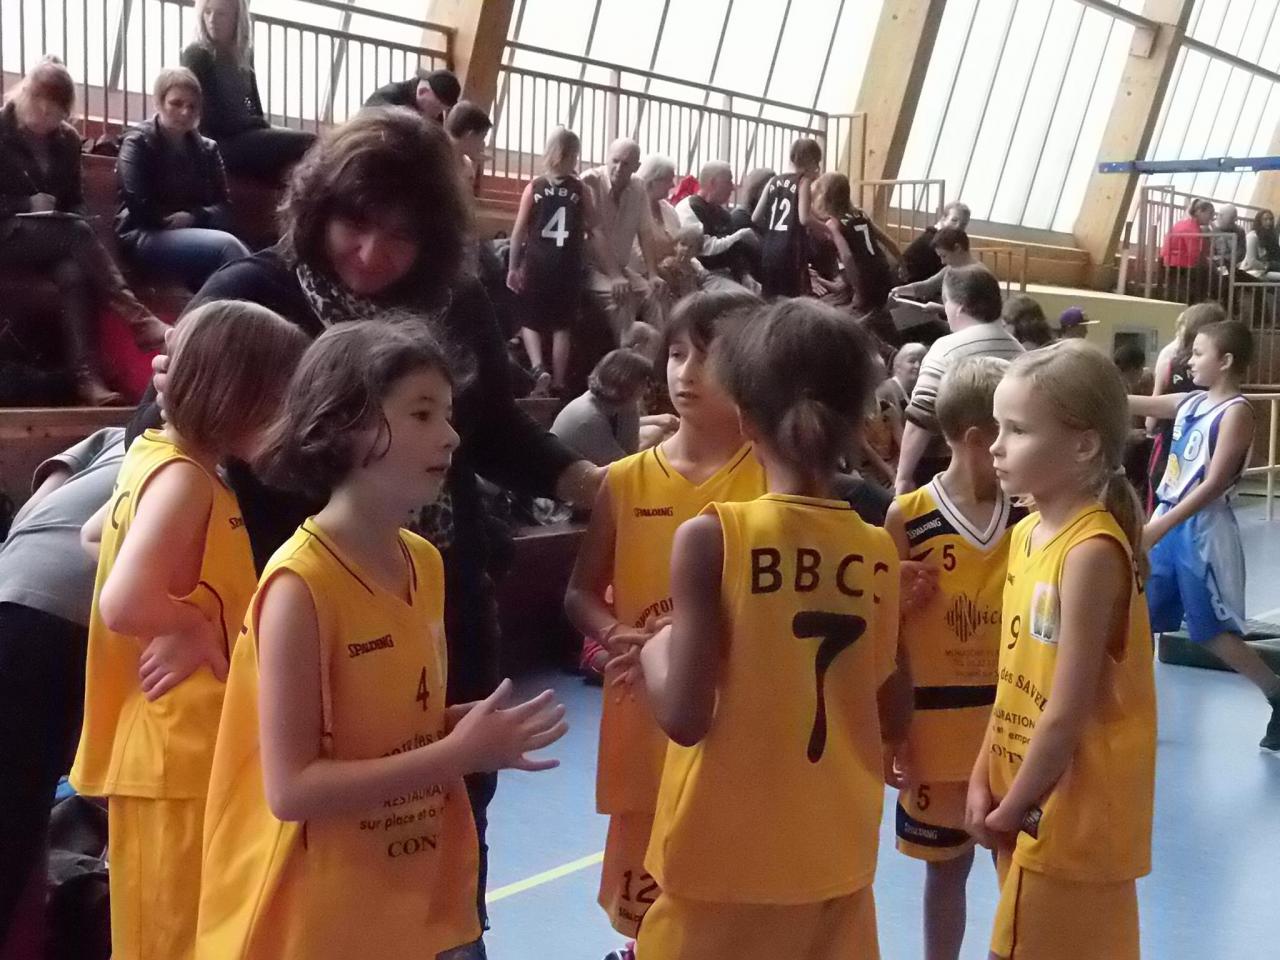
(1195,436)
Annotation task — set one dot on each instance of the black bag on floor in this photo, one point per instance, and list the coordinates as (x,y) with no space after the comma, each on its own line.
(79,911)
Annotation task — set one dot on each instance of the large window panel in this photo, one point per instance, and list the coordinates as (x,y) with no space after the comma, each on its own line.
(854,33)
(1014,105)
(1214,109)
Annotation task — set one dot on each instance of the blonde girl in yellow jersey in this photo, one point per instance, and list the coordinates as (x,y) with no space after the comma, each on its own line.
(621,584)
(771,678)
(338,824)
(175,574)
(1063,787)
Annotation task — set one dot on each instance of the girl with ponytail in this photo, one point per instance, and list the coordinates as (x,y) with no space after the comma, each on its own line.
(771,677)
(1062,789)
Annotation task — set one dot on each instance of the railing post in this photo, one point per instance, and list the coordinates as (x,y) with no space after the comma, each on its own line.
(726,131)
(1271,460)
(612,105)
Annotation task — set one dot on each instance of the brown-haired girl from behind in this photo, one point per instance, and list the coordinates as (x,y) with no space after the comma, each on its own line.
(338,768)
(771,678)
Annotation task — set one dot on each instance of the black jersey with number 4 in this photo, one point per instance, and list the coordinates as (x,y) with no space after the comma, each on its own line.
(556,228)
(785,253)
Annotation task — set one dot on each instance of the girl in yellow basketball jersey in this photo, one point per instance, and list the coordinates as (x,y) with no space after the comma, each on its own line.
(628,547)
(770,677)
(175,574)
(338,824)
(1062,789)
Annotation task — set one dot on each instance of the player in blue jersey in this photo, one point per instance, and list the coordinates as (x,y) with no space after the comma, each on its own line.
(1197,562)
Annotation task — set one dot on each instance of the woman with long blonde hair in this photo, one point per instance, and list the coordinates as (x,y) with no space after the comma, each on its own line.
(221,56)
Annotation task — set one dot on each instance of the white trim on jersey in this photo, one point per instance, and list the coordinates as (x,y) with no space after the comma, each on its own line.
(983,540)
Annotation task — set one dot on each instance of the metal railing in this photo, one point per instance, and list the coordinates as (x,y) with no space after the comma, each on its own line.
(1158,209)
(692,123)
(1273,435)
(903,208)
(1008,263)
(310,74)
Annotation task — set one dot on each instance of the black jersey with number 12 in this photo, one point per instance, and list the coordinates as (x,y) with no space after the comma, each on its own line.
(785,253)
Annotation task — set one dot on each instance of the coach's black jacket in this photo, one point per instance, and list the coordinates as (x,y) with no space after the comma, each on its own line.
(498,441)
(156,181)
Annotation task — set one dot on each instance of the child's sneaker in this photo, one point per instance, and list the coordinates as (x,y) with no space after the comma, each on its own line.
(1271,741)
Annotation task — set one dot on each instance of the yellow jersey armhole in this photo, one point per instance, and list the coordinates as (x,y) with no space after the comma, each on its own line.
(1096,533)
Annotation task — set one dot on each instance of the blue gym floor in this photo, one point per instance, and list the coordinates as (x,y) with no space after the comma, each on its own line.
(1217,826)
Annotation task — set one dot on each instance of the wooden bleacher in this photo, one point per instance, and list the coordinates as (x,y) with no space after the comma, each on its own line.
(530,598)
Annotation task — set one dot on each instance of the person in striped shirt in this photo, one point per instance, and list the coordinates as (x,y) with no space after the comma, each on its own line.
(972,300)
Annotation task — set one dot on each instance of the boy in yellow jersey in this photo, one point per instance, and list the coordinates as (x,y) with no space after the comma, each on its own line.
(771,678)
(958,524)
(338,824)
(1063,787)
(175,574)
(628,547)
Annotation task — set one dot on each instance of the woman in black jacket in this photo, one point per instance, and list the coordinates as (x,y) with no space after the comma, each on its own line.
(376,223)
(221,57)
(174,212)
(43,227)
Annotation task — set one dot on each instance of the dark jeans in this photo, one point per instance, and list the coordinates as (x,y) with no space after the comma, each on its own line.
(191,254)
(265,154)
(42,663)
(480,790)
(69,252)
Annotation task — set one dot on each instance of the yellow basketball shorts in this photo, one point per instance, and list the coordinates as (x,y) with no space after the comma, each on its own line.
(1041,917)
(627,891)
(930,821)
(153,850)
(840,929)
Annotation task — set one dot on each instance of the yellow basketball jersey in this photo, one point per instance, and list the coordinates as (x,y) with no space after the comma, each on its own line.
(781,802)
(953,639)
(1095,825)
(650,500)
(162,749)
(397,880)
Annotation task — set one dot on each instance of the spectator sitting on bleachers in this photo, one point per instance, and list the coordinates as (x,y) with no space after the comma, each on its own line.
(920,260)
(658,174)
(433,93)
(1226,255)
(221,57)
(1185,254)
(724,248)
(749,191)
(468,126)
(603,424)
(623,218)
(1024,319)
(46,587)
(1262,248)
(951,244)
(43,227)
(174,212)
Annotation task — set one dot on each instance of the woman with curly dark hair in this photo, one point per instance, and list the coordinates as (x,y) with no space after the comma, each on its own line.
(376,223)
